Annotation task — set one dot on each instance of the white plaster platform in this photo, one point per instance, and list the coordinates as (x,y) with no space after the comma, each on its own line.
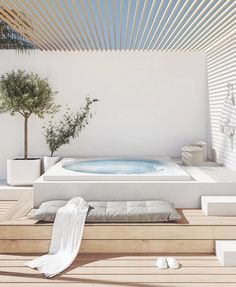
(207,180)
(219,205)
(226,252)
(8,192)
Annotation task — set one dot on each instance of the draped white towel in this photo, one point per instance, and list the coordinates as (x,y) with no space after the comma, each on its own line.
(65,240)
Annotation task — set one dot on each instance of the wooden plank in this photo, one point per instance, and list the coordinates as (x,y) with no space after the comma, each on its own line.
(111,246)
(116,256)
(132,246)
(114,231)
(123,284)
(12,277)
(21,207)
(25,232)
(76,269)
(7,201)
(118,263)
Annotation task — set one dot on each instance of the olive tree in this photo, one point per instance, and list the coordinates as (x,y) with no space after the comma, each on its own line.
(61,132)
(26,94)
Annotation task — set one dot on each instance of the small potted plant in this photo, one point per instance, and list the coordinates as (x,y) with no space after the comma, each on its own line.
(61,132)
(25,94)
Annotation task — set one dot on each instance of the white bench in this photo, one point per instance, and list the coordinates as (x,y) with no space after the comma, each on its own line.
(219,205)
(226,252)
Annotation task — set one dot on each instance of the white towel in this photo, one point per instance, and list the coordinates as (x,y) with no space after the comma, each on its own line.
(66,239)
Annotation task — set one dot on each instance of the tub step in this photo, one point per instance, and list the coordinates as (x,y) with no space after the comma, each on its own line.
(219,205)
(226,252)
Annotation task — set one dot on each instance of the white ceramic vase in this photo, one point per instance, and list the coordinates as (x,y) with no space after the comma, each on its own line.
(49,161)
(22,172)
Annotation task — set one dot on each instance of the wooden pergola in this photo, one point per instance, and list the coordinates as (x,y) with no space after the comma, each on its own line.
(120,25)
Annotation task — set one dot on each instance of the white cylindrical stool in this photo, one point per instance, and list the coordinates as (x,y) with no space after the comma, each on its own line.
(192,155)
(203,145)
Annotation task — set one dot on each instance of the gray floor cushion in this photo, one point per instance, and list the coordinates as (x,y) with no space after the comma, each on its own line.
(132,211)
(48,209)
(116,211)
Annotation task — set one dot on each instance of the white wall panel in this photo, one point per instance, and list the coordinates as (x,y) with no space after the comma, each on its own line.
(221,66)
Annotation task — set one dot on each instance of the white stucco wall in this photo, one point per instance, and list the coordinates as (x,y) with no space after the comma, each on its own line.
(150,103)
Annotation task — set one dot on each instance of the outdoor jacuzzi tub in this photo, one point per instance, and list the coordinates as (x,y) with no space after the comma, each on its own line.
(116,169)
(129,180)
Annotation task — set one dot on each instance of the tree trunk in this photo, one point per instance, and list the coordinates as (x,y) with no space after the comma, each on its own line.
(26,138)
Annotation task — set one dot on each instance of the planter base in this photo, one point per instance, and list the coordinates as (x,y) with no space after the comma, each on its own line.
(49,161)
(22,172)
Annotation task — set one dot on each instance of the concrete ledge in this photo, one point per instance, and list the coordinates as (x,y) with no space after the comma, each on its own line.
(12,192)
(226,252)
(219,205)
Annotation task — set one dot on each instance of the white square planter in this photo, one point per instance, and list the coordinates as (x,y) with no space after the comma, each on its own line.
(219,205)
(23,172)
(49,161)
(226,252)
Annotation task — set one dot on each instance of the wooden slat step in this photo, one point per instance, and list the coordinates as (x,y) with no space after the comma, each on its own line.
(124,270)
(93,279)
(120,263)
(116,256)
(98,246)
(121,284)
(124,232)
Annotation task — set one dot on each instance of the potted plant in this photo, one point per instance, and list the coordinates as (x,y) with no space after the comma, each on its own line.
(25,94)
(60,132)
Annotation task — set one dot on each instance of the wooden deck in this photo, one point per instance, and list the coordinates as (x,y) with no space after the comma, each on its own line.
(195,233)
(136,248)
(120,270)
(5,205)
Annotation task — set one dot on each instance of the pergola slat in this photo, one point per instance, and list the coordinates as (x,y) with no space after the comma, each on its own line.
(121,17)
(114,20)
(127,23)
(108,23)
